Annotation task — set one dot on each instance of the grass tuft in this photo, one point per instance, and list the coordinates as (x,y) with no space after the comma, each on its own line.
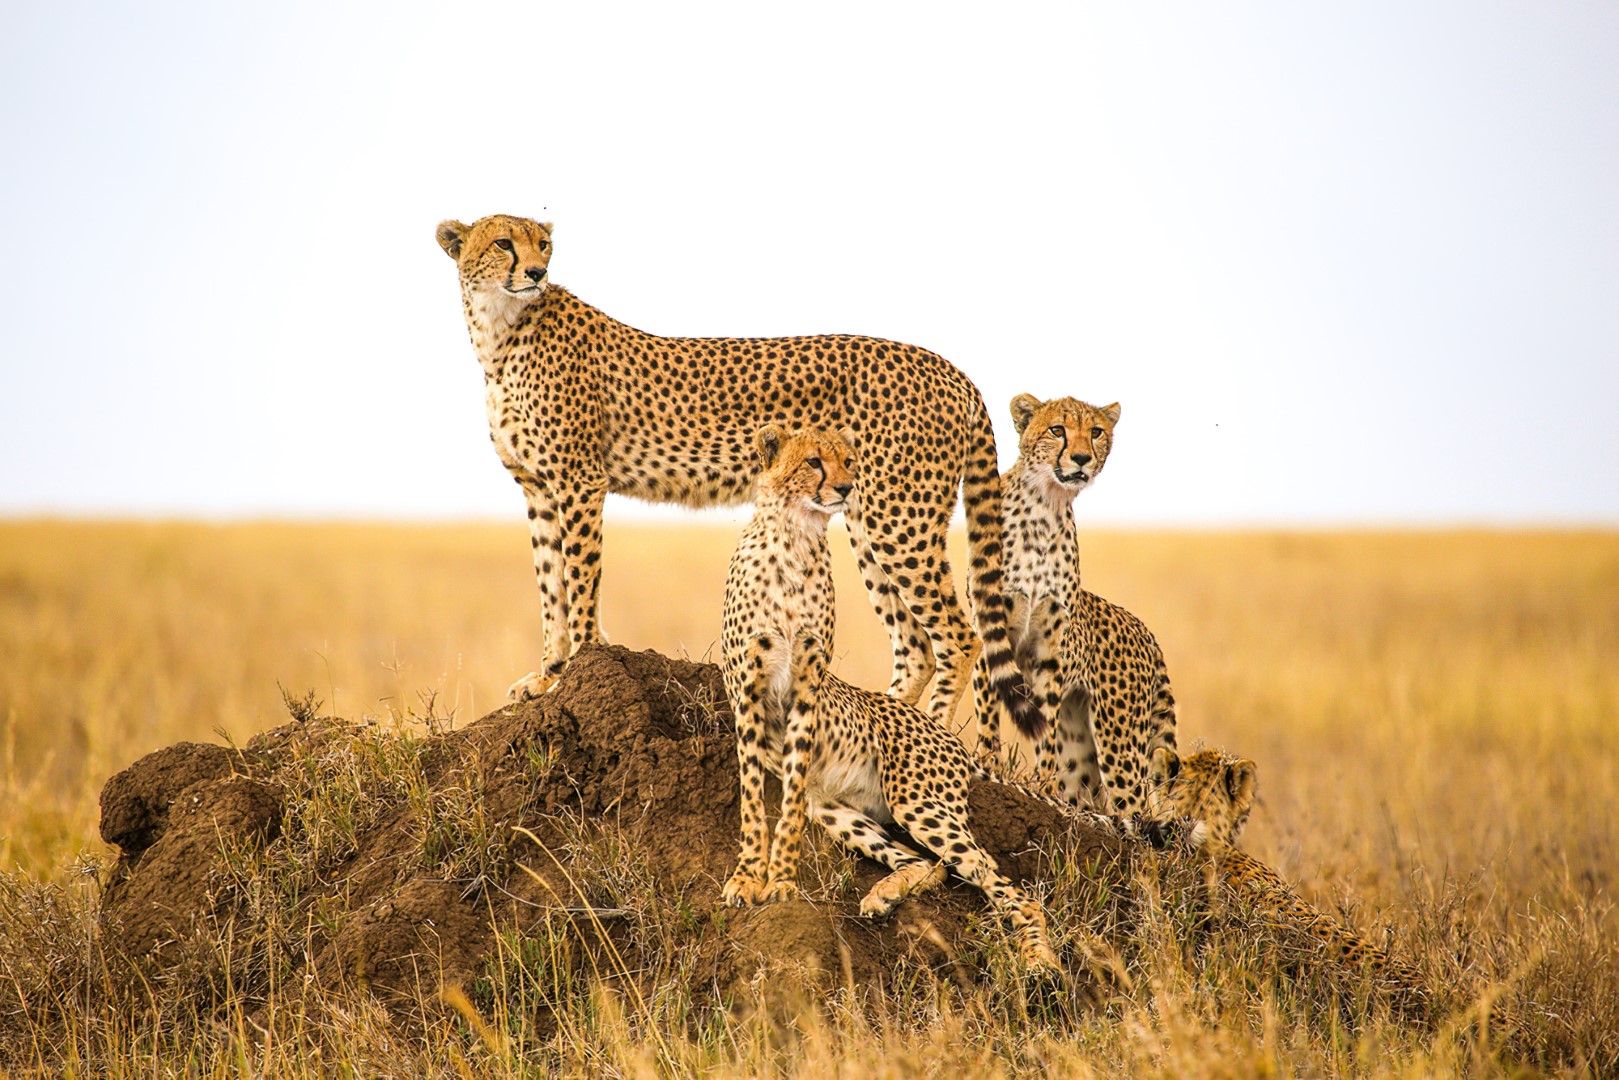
(1431,714)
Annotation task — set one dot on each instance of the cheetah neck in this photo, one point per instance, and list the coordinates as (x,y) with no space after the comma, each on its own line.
(1042,545)
(1042,507)
(800,530)
(491,316)
(1040,485)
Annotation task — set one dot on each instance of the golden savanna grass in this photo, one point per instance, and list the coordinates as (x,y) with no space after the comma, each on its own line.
(1433,715)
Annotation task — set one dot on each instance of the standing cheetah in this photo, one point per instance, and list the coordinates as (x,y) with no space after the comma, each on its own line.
(580,404)
(851,759)
(1096,670)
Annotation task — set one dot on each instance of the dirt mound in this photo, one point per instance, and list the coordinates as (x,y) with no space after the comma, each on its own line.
(586,833)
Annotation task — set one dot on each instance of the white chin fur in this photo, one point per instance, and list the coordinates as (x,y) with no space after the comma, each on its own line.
(817,514)
(497,308)
(1057,492)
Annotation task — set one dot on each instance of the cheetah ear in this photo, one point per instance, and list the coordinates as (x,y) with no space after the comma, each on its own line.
(1111,412)
(768,443)
(1164,766)
(847,435)
(450,235)
(547,228)
(1242,783)
(1023,407)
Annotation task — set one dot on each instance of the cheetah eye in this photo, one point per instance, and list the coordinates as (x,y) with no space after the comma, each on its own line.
(503,244)
(1096,433)
(1056,429)
(814,462)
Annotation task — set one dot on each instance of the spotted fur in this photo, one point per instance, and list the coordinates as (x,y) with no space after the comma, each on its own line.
(1095,668)
(852,760)
(580,405)
(1219,790)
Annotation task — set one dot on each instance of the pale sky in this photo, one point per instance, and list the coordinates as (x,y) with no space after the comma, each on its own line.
(1355,264)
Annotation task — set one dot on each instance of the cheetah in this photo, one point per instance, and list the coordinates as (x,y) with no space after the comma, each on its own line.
(580,404)
(1218,790)
(1096,670)
(850,759)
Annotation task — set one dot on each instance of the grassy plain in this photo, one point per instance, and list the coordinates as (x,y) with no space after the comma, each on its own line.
(1433,715)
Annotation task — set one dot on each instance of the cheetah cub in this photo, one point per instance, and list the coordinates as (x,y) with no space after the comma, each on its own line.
(1097,672)
(1218,790)
(852,760)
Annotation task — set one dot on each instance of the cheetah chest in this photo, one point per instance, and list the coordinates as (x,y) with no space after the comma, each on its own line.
(1039,564)
(500,408)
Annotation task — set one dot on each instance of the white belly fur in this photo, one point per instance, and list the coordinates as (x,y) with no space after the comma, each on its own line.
(850,783)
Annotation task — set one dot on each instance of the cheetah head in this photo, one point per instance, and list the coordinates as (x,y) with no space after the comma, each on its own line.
(1063,443)
(504,255)
(1209,786)
(810,470)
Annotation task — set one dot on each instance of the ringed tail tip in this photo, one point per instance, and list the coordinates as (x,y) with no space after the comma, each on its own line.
(1026,715)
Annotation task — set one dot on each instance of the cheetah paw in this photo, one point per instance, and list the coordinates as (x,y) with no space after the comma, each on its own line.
(781,889)
(743,890)
(531,685)
(876,903)
(886,895)
(1041,962)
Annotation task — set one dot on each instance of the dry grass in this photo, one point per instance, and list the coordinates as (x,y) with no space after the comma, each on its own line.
(1432,714)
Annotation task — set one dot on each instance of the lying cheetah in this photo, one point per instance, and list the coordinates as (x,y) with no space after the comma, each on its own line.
(1218,790)
(1096,670)
(580,404)
(851,759)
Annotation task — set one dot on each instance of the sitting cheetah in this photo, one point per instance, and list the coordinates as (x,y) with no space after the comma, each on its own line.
(1218,790)
(580,404)
(1097,671)
(851,759)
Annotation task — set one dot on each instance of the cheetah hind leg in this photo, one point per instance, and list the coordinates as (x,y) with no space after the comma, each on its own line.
(920,877)
(1066,759)
(912,874)
(808,672)
(948,837)
(986,712)
(913,651)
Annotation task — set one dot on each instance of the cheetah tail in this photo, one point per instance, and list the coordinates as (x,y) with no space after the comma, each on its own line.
(981,500)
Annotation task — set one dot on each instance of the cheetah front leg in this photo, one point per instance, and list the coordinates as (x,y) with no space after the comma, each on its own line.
(747,684)
(1041,660)
(579,513)
(1042,663)
(545,538)
(809,670)
(987,705)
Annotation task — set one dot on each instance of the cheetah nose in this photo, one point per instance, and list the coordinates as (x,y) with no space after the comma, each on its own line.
(1082,459)
(843,490)
(534,273)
